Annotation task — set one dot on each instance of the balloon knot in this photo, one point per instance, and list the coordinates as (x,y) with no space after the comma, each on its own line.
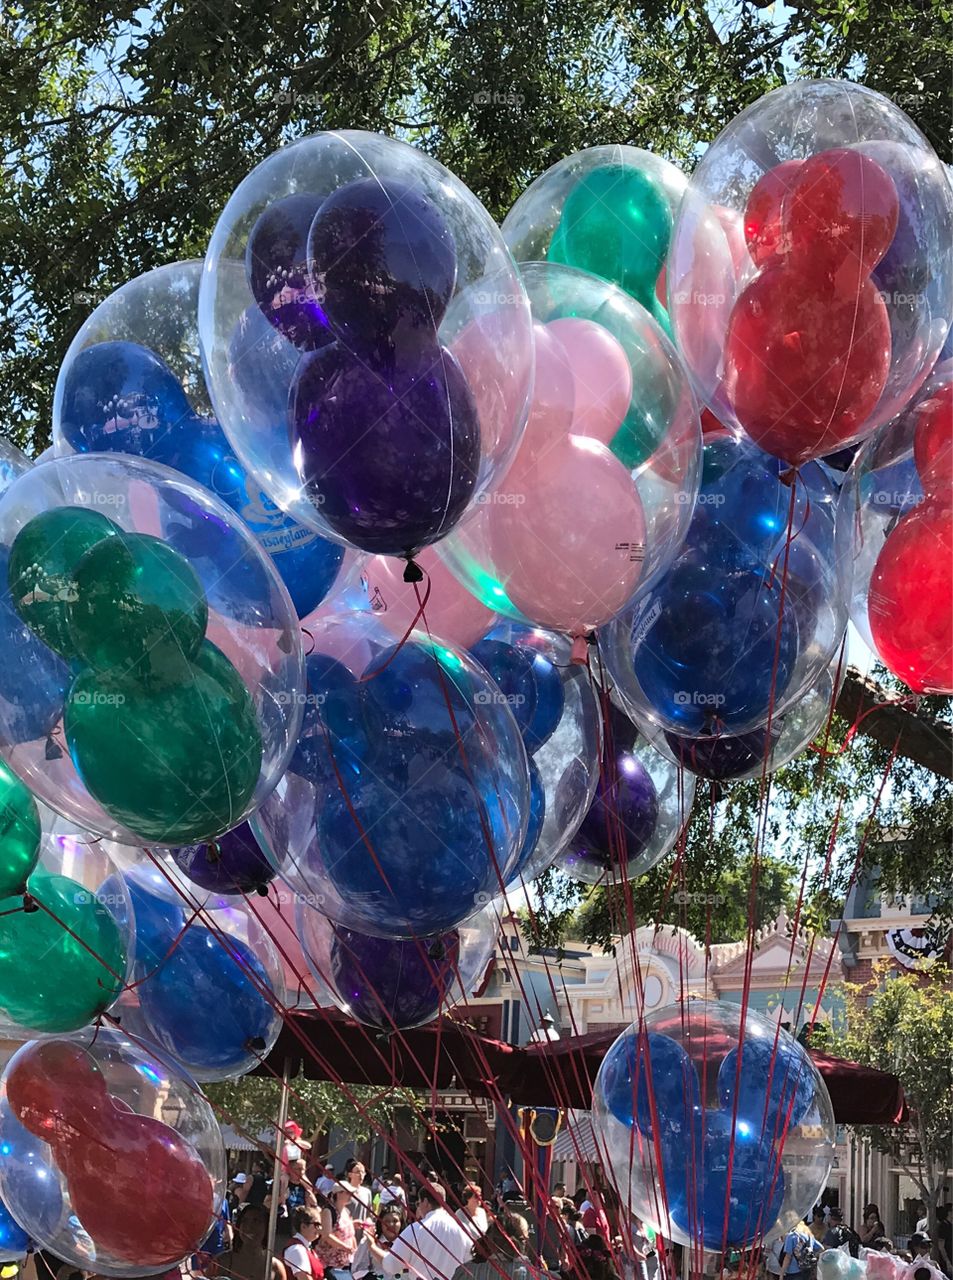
(212,852)
(413,571)
(261,890)
(30,903)
(580,647)
(436,950)
(788,476)
(256,1044)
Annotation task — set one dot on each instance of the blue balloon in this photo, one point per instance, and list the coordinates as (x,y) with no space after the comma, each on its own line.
(307,563)
(407,824)
(39,1198)
(120,397)
(33,679)
(205,997)
(703,1203)
(792,1085)
(528,680)
(537,815)
(664,1099)
(14,1241)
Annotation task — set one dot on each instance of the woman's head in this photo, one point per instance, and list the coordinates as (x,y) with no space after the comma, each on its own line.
(506,1237)
(390,1222)
(471,1197)
(339,1197)
(306,1222)
(871,1216)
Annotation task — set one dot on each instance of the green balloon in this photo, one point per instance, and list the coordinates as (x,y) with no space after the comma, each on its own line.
(140,608)
(615,223)
(174,763)
(50,980)
(42,562)
(19,833)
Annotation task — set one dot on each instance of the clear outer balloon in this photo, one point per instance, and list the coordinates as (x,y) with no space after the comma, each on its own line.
(730,758)
(558,716)
(606,210)
(671,1107)
(293,288)
(600,493)
(836,315)
(65,962)
(132,382)
(452,612)
(752,610)
(209,991)
(177,719)
(135,1151)
(641,806)
(392,983)
(895,531)
(406,801)
(13,463)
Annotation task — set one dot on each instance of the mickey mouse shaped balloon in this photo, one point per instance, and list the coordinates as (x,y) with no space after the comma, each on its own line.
(132,1142)
(726,1115)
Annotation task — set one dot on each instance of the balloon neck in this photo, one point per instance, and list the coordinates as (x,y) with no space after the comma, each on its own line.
(788,476)
(580,648)
(412,570)
(30,903)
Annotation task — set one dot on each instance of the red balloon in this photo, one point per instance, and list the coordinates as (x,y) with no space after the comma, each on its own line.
(138,1188)
(806,358)
(933,442)
(842,206)
(763,231)
(910,606)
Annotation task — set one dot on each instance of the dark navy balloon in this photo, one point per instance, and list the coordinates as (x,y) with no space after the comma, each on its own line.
(120,397)
(203,996)
(387,453)
(723,757)
(528,680)
(276,266)
(386,259)
(624,814)
(307,563)
(389,983)
(408,825)
(232,863)
(33,679)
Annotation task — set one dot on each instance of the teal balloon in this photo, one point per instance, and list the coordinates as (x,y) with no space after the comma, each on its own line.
(140,608)
(174,763)
(42,565)
(19,832)
(616,224)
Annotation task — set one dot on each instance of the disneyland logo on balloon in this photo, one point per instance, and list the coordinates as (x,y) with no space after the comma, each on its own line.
(96,698)
(695,698)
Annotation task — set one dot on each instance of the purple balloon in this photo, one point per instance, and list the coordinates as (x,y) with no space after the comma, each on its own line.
(722,757)
(388,982)
(233,863)
(276,266)
(386,259)
(388,453)
(623,816)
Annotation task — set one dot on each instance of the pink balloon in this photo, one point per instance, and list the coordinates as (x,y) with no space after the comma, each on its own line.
(554,388)
(567,531)
(602,376)
(452,613)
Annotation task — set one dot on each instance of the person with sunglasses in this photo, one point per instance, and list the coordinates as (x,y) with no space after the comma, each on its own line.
(301,1262)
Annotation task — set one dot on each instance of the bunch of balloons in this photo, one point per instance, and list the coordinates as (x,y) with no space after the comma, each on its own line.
(395,557)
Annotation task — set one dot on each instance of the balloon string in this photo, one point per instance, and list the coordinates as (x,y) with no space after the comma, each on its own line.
(421,606)
(120,978)
(131,986)
(907,700)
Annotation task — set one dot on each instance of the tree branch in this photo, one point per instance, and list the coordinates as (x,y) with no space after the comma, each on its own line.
(925,741)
